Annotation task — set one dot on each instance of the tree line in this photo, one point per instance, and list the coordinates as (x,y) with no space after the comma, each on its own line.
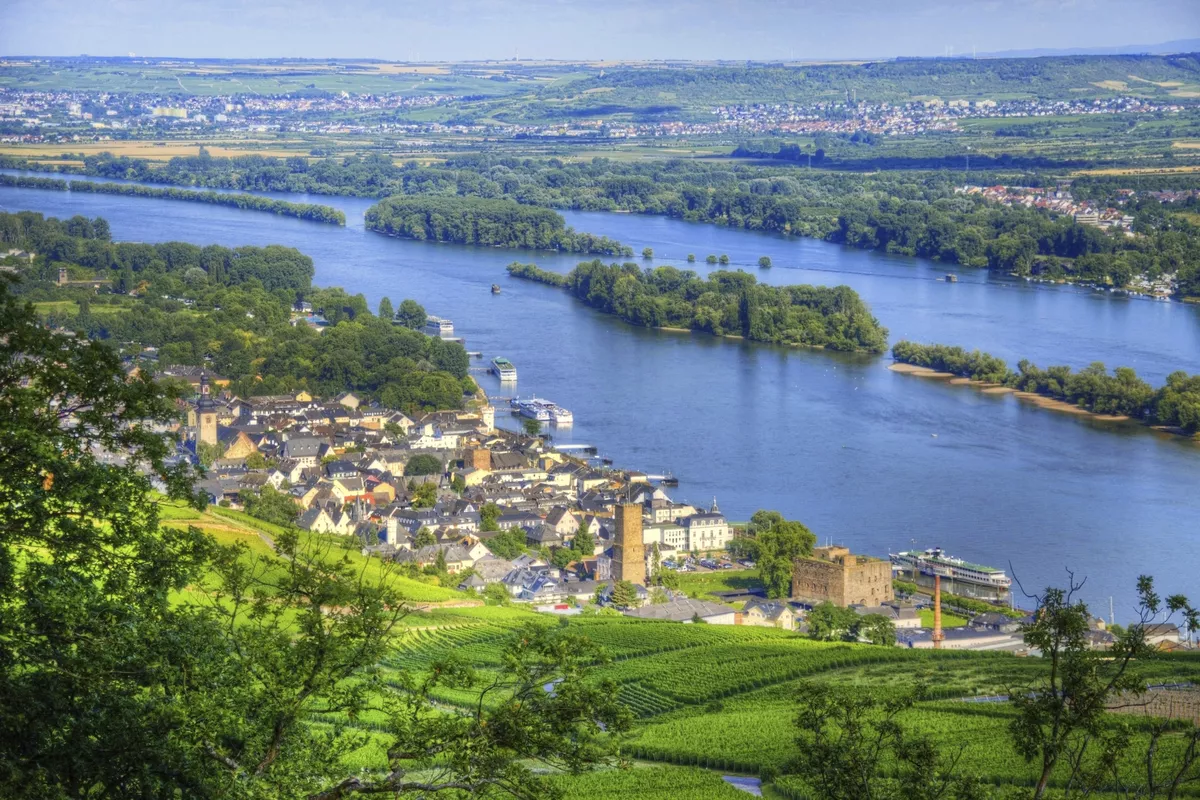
(477,221)
(1176,404)
(306,211)
(724,303)
(230,309)
(909,213)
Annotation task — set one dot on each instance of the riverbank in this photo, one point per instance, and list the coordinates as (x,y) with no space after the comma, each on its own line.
(1041,401)
(655,401)
(306,211)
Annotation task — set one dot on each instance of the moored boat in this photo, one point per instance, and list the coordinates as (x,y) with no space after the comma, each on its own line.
(441,328)
(503,369)
(934,562)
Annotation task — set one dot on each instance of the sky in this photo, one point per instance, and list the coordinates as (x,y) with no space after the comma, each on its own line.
(457,30)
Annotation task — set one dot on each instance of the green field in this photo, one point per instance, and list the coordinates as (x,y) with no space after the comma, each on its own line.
(948,620)
(698,584)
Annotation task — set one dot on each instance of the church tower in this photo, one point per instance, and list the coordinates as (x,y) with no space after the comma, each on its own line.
(629,552)
(206,415)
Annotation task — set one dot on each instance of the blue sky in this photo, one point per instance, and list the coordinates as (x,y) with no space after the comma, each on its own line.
(595,29)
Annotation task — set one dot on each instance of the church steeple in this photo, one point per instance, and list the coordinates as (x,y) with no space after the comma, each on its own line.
(206,414)
(206,402)
(714,509)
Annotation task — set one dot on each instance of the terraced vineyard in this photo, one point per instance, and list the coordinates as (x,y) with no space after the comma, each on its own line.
(707,697)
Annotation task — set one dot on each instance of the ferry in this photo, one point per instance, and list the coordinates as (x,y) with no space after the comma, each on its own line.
(560,416)
(441,328)
(934,562)
(504,369)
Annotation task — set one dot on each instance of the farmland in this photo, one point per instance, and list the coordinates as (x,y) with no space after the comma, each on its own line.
(708,699)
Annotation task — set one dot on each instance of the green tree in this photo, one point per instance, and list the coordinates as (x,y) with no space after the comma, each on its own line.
(724,259)
(411,314)
(87,572)
(423,464)
(764,261)
(458,484)
(710,259)
(828,623)
(531,426)
(691,258)
(647,252)
(876,629)
(488,514)
(584,544)
(208,454)
(1062,716)
(507,544)
(666,578)
(424,538)
(497,594)
(853,745)
(424,495)
(385,309)
(624,595)
(777,545)
(272,506)
(562,556)
(256,460)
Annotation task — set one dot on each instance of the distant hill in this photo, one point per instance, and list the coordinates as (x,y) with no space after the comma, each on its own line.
(1162,48)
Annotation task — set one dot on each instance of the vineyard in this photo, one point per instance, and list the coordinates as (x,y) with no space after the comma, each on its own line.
(714,698)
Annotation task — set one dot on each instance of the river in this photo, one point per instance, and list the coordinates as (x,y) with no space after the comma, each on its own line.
(863,456)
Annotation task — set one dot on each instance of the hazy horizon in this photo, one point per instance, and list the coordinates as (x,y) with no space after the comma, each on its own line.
(463,30)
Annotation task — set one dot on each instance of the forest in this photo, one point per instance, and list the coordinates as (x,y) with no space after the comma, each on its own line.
(307,211)
(230,310)
(911,213)
(1176,404)
(491,223)
(723,304)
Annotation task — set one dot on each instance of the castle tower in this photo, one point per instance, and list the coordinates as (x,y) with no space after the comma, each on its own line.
(629,552)
(206,415)
(63,280)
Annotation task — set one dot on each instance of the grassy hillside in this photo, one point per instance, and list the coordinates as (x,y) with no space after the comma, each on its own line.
(709,699)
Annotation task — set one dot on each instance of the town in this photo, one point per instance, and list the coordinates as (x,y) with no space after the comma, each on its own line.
(507,516)
(48,117)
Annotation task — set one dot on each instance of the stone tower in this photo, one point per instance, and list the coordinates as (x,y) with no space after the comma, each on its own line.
(206,415)
(629,552)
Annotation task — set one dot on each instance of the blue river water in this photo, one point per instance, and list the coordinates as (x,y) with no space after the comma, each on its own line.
(864,456)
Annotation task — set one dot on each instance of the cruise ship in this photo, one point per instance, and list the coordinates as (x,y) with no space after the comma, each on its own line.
(441,328)
(934,562)
(504,369)
(533,408)
(543,411)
